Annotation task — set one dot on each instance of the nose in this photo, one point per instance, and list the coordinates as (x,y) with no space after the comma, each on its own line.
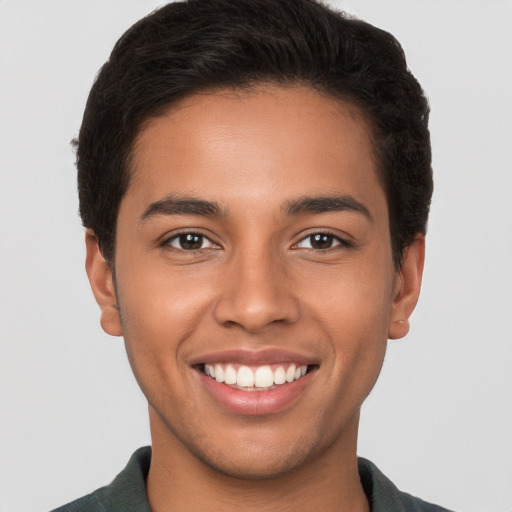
(256,292)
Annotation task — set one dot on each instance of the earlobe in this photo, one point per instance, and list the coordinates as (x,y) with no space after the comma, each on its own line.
(102,284)
(407,288)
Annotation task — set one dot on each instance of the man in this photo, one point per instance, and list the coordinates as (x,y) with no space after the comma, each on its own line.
(254,179)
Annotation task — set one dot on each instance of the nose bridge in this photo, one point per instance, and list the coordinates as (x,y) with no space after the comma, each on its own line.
(256,291)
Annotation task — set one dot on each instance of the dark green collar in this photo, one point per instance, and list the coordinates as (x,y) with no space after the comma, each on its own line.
(384,496)
(127,493)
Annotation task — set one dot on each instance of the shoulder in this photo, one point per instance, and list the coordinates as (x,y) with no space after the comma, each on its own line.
(384,495)
(89,503)
(126,493)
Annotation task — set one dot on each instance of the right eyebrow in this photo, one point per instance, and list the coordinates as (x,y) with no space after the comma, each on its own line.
(178,205)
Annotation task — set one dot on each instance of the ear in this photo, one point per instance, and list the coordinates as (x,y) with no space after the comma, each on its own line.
(407,287)
(102,284)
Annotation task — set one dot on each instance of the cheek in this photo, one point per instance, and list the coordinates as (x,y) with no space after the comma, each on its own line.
(353,296)
(159,313)
(353,306)
(155,298)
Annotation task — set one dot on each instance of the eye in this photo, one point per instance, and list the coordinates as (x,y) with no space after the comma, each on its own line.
(190,242)
(320,241)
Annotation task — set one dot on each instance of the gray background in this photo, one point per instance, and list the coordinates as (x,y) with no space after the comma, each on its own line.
(439,422)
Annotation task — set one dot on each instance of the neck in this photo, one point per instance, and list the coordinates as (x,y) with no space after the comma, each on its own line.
(178,480)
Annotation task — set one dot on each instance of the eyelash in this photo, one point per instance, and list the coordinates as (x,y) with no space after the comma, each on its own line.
(332,238)
(168,241)
(341,242)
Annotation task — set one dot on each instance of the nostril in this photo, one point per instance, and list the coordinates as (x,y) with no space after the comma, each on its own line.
(254,312)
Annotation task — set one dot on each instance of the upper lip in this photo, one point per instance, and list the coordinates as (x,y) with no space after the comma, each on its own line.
(254,357)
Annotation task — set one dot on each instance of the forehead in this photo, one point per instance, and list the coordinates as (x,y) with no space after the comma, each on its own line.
(267,144)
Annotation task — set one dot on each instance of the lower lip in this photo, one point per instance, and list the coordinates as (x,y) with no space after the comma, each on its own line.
(256,403)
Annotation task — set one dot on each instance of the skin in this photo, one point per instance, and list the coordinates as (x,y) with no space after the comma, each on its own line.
(256,283)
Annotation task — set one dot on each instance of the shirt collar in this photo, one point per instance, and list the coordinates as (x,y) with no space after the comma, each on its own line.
(127,493)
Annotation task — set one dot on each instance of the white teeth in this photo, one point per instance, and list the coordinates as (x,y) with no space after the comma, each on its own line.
(245,377)
(264,377)
(290,374)
(230,375)
(219,373)
(258,379)
(279,376)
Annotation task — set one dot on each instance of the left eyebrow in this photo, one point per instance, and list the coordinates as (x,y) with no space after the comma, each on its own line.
(178,205)
(324,204)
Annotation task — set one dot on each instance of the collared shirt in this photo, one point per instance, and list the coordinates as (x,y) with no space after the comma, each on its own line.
(127,493)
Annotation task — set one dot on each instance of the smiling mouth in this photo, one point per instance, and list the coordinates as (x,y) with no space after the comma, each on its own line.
(256,378)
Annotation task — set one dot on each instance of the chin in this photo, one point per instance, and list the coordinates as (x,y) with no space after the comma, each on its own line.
(261,457)
(256,468)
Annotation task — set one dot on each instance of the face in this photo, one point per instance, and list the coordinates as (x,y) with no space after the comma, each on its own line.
(255,286)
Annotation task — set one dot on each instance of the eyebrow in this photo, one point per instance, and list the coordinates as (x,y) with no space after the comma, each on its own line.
(178,205)
(325,204)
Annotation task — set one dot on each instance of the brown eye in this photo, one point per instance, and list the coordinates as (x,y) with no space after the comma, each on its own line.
(319,241)
(190,242)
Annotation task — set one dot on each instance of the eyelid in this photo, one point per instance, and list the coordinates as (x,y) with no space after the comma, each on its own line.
(344,241)
(174,235)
